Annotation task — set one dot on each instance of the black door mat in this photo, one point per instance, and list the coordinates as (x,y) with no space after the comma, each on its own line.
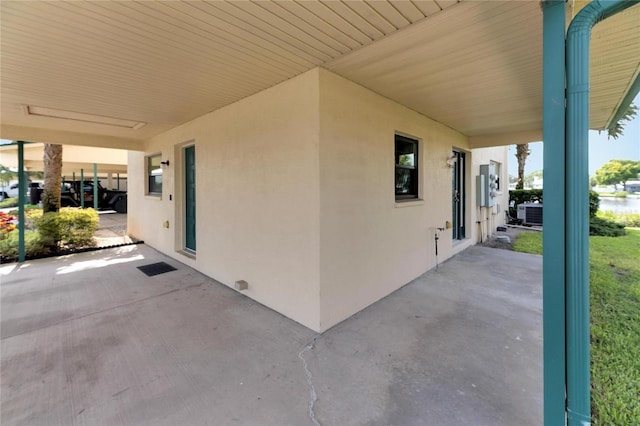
(156,268)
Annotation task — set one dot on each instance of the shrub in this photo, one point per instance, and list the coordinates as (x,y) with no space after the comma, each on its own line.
(631,220)
(32,243)
(605,228)
(8,202)
(70,227)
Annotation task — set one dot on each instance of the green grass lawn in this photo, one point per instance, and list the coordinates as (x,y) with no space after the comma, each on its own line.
(615,325)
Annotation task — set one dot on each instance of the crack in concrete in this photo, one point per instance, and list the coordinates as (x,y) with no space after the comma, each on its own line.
(313,396)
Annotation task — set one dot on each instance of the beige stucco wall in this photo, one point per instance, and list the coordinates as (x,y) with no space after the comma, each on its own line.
(295,195)
(257,196)
(369,244)
(491,217)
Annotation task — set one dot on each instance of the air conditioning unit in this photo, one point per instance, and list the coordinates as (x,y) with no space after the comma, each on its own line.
(530,213)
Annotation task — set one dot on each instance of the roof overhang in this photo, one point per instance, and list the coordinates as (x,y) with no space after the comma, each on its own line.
(475,66)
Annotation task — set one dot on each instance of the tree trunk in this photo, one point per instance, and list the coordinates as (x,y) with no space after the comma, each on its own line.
(522,152)
(52,177)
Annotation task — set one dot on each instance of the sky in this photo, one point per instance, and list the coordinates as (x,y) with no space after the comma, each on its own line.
(601,149)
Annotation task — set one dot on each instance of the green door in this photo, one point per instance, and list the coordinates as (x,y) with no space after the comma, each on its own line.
(458,195)
(190,197)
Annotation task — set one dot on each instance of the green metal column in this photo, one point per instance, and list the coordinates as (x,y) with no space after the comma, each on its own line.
(82,188)
(553,133)
(577,205)
(22,192)
(95,186)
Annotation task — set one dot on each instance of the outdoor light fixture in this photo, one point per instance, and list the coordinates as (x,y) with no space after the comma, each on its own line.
(451,161)
(165,163)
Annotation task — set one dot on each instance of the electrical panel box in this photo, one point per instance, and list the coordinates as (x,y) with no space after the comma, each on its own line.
(489,182)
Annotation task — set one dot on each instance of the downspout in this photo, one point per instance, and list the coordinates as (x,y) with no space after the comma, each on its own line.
(577,205)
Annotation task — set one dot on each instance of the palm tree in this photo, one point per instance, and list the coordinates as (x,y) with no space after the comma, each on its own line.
(52,177)
(522,152)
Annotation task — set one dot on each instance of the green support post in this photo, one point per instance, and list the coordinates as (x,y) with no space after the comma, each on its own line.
(62,185)
(553,291)
(95,186)
(82,188)
(22,192)
(118,181)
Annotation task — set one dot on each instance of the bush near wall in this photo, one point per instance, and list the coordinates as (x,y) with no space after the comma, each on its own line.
(519,196)
(70,227)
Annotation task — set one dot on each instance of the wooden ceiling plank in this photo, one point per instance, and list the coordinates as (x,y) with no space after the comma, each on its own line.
(305,23)
(408,9)
(355,19)
(390,13)
(218,31)
(369,14)
(427,7)
(275,23)
(123,59)
(328,31)
(144,39)
(345,19)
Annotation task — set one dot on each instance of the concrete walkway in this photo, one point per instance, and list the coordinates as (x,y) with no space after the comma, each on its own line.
(89,339)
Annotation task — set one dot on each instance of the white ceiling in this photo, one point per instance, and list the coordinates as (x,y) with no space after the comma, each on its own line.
(475,65)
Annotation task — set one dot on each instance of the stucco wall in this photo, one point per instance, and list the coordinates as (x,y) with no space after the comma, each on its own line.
(295,195)
(491,217)
(369,244)
(257,196)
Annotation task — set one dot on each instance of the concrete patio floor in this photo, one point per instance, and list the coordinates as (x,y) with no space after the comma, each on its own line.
(89,339)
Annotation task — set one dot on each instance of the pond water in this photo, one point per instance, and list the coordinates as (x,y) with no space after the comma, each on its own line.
(620,205)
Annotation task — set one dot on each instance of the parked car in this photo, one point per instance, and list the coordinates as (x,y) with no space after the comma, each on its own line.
(107,198)
(11,191)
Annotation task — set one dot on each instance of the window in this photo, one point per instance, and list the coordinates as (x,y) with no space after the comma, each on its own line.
(406,159)
(498,169)
(154,175)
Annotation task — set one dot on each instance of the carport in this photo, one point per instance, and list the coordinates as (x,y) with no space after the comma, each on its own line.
(408,55)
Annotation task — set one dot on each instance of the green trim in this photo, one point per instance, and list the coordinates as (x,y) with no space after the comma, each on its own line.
(81,188)
(95,186)
(22,193)
(553,291)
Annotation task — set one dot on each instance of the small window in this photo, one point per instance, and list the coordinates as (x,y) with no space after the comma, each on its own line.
(498,169)
(154,175)
(406,158)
